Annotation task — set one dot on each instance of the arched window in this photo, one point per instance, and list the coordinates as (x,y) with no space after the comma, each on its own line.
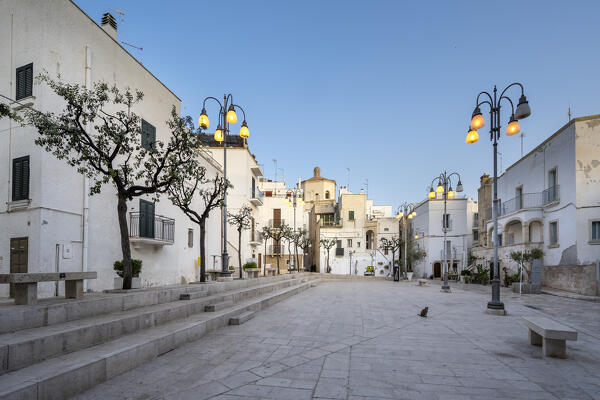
(327,194)
(316,196)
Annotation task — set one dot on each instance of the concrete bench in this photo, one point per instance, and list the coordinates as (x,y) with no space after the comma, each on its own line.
(422,282)
(549,334)
(241,318)
(213,274)
(26,284)
(271,271)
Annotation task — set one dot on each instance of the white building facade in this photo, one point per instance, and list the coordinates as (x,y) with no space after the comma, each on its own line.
(550,199)
(48,222)
(461,231)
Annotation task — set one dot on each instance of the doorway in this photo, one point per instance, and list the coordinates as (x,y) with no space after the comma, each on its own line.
(437,270)
(19,248)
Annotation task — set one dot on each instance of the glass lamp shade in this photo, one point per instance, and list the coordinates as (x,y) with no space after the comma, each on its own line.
(477,120)
(416,236)
(451,194)
(414,213)
(219,134)
(410,216)
(203,121)
(513,127)
(231,115)
(472,136)
(440,188)
(244,131)
(431,194)
(523,110)
(399,215)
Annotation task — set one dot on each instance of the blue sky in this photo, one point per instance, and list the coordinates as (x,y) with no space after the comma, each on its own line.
(385,88)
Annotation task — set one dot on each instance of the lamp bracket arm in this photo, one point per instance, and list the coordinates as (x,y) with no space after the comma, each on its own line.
(213,98)
(512,107)
(240,107)
(511,85)
(487,94)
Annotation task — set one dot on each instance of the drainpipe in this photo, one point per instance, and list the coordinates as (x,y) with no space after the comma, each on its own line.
(86,180)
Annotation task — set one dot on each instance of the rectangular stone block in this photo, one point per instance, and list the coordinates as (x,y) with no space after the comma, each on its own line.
(26,293)
(74,289)
(241,318)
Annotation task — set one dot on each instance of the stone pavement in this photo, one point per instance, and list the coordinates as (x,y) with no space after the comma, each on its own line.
(364,340)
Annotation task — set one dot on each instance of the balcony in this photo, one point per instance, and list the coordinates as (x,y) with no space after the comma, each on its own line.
(151,229)
(330,222)
(276,249)
(451,254)
(276,223)
(257,197)
(529,200)
(339,251)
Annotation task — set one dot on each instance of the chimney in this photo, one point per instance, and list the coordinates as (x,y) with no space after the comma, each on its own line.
(109,24)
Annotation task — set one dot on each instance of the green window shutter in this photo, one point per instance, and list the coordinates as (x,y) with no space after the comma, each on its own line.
(148,135)
(146,219)
(24,87)
(351,215)
(20,188)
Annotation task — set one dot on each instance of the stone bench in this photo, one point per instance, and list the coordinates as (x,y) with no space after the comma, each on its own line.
(252,272)
(271,271)
(422,282)
(549,334)
(26,284)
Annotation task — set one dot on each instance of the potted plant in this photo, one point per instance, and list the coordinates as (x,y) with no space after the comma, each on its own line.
(136,267)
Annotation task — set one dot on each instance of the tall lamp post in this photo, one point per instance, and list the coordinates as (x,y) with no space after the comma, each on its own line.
(444,187)
(404,213)
(513,128)
(227,116)
(294,202)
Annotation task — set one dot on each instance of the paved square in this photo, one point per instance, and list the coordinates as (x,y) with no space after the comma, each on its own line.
(364,340)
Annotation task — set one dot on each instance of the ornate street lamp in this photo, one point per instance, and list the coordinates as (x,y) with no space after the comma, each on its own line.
(477,121)
(405,212)
(444,187)
(294,201)
(227,116)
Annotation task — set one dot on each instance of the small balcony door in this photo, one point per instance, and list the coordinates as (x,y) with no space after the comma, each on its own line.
(519,198)
(146,219)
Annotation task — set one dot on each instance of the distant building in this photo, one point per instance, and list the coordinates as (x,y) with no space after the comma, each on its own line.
(461,224)
(550,199)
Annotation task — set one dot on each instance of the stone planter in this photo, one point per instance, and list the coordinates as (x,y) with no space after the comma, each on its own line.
(252,272)
(409,275)
(136,282)
(527,288)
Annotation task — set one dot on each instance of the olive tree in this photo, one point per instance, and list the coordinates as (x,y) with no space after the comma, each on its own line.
(241,221)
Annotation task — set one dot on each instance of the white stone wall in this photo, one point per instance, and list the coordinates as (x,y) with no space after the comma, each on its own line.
(54,216)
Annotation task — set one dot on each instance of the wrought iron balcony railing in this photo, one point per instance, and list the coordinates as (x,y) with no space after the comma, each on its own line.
(153,227)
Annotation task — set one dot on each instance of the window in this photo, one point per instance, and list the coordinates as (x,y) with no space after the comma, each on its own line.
(385,251)
(338,244)
(499,239)
(349,243)
(24,82)
(553,231)
(386,229)
(552,188)
(328,219)
(475,236)
(190,238)
(595,231)
(327,194)
(351,215)
(148,135)
(519,198)
(20,178)
(476,218)
(358,245)
(253,188)
(446,221)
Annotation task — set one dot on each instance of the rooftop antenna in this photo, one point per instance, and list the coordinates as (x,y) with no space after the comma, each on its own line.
(569,113)
(367,185)
(522,135)
(348,179)
(275,162)
(141,49)
(282,174)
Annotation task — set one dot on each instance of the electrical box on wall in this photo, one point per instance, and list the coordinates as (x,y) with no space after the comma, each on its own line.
(67,250)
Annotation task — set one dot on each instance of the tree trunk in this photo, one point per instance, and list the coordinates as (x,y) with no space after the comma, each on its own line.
(202,251)
(296,256)
(125,248)
(240,251)
(277,263)
(289,255)
(264,261)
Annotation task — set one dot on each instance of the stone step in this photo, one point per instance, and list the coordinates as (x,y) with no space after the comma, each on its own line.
(193,295)
(241,318)
(70,374)
(26,347)
(52,311)
(218,306)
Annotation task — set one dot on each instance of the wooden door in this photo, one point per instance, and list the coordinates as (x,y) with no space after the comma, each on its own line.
(276,217)
(259,260)
(437,270)
(19,249)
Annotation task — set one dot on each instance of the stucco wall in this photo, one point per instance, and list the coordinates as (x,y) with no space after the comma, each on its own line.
(582,279)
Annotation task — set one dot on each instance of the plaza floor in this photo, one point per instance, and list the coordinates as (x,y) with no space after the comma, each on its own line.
(364,340)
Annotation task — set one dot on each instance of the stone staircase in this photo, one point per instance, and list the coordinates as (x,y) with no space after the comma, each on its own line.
(60,347)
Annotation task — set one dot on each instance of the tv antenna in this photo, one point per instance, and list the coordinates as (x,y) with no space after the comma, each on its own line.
(120,12)
(141,49)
